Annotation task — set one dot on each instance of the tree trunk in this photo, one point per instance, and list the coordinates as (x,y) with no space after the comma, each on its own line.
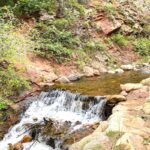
(60,9)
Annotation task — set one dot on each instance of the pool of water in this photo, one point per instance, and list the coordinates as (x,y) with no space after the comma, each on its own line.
(105,84)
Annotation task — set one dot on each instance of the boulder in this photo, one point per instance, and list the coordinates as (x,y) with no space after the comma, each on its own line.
(119,70)
(96,72)
(88,71)
(127,67)
(146,107)
(111,71)
(130,86)
(93,142)
(108,26)
(115,98)
(131,141)
(139,94)
(80,133)
(74,77)
(98,66)
(146,82)
(124,93)
(63,79)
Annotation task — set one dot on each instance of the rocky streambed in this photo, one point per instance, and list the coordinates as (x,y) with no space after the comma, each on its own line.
(58,118)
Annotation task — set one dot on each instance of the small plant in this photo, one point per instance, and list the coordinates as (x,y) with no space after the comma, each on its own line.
(114,136)
(120,40)
(142,46)
(11,83)
(95,45)
(3,105)
(61,24)
(110,9)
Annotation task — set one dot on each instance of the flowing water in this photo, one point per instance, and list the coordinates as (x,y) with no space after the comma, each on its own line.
(57,105)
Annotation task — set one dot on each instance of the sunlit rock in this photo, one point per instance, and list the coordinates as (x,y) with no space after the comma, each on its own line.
(146,82)
(116,98)
(130,86)
(127,67)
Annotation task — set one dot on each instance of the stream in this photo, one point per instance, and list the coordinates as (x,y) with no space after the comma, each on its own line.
(54,115)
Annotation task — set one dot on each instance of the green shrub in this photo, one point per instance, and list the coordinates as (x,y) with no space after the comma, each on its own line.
(120,40)
(142,46)
(61,24)
(3,104)
(13,49)
(54,43)
(95,46)
(13,46)
(11,83)
(31,7)
(110,9)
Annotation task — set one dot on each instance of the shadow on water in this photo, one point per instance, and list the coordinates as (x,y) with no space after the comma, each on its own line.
(106,84)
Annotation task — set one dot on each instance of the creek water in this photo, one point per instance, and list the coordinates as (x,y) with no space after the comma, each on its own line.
(64,106)
(106,84)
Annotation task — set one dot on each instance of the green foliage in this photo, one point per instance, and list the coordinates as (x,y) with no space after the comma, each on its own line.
(13,48)
(3,104)
(120,40)
(142,46)
(95,46)
(11,83)
(34,7)
(110,9)
(114,136)
(31,7)
(54,43)
(61,24)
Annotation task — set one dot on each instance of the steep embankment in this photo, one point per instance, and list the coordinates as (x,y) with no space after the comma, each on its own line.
(118,33)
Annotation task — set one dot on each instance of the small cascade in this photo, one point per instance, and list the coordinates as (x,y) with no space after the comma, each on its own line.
(59,106)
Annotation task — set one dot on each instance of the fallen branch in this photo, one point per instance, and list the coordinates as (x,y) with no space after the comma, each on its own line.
(27,95)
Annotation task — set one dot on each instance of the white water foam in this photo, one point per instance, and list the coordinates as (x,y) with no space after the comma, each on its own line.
(57,105)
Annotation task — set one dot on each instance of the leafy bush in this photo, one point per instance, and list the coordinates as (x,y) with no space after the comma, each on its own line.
(31,7)
(54,43)
(110,9)
(142,46)
(13,48)
(11,83)
(3,104)
(95,45)
(61,24)
(121,40)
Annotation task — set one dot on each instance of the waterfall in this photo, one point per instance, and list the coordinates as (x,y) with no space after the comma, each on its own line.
(56,105)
